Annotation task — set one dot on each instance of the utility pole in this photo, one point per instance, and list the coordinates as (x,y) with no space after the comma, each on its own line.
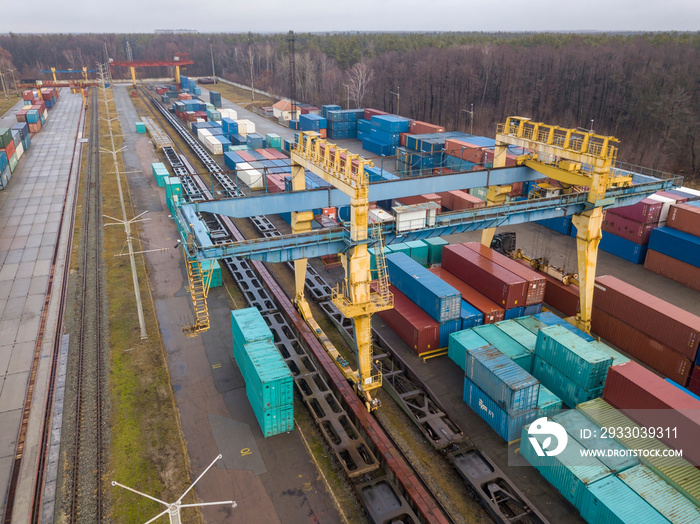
(292,73)
(347,90)
(398,100)
(213,71)
(12,71)
(250,57)
(4,89)
(471,120)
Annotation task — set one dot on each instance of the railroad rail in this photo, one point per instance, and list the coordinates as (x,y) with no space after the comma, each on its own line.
(386,486)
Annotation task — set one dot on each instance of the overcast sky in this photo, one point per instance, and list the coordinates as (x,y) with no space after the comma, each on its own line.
(235,16)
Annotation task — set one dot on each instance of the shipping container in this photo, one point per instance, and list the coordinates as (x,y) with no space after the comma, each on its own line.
(611,501)
(591,436)
(564,471)
(418,251)
(684,390)
(460,343)
(685,218)
(268,379)
(248,326)
(551,319)
(497,283)
(677,471)
(673,269)
(506,426)
(437,298)
(412,324)
(470,316)
(517,332)
(666,204)
(548,404)
(676,244)
(536,283)
(570,393)
(616,356)
(694,382)
(506,345)
(650,401)
(669,324)
(578,360)
(512,388)
(648,211)
(435,247)
(627,228)
(492,312)
(641,346)
(514,313)
(273,421)
(660,495)
(447,328)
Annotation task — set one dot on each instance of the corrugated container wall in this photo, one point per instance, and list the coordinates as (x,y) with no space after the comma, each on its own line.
(506,345)
(460,343)
(685,218)
(492,312)
(412,324)
(611,501)
(676,270)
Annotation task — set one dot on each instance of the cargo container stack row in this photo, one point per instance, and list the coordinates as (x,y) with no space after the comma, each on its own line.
(380,134)
(14,142)
(262,168)
(426,252)
(269,386)
(190,85)
(342,124)
(674,250)
(650,329)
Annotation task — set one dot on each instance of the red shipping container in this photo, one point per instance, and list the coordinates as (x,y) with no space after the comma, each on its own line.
(266,153)
(492,311)
(402,138)
(464,150)
(412,324)
(536,283)
(627,228)
(510,158)
(34,128)
(642,347)
(422,128)
(558,295)
(652,402)
(672,268)
(679,199)
(369,113)
(28,94)
(459,200)
(21,115)
(517,189)
(9,149)
(500,285)
(245,156)
(684,218)
(669,324)
(694,382)
(420,199)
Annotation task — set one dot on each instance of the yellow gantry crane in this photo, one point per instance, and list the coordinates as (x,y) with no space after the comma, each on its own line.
(576,158)
(354,298)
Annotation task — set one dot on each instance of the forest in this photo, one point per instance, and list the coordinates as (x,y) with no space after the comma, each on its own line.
(640,88)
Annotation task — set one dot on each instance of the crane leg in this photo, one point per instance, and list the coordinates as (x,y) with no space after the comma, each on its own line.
(177,75)
(133,75)
(495,197)
(588,235)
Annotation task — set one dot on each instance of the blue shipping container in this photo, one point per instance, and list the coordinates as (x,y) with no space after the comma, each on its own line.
(621,247)
(514,312)
(434,296)
(511,387)
(471,317)
(447,328)
(676,244)
(507,427)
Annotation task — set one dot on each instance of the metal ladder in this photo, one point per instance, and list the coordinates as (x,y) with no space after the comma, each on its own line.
(385,296)
(199,282)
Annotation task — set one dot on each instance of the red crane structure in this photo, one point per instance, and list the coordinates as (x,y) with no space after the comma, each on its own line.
(180,59)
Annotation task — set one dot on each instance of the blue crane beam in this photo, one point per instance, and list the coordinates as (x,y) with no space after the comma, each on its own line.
(329,241)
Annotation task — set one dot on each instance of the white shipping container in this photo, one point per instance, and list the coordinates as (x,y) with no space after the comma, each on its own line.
(228,113)
(378,215)
(19,150)
(202,133)
(251,177)
(213,145)
(668,202)
(408,219)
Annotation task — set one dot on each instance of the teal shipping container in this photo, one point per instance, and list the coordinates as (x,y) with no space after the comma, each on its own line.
(461,342)
(213,267)
(248,325)
(401,247)
(519,333)
(548,404)
(173,187)
(570,393)
(418,251)
(506,345)
(584,364)
(610,501)
(435,246)
(512,388)
(590,436)
(267,377)
(617,357)
(564,471)
(273,421)
(273,141)
(660,495)
(140,127)
(532,324)
(160,173)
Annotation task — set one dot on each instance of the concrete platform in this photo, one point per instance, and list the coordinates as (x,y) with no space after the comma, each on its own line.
(273,480)
(30,213)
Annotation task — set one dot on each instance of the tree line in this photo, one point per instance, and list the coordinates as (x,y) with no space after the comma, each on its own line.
(641,88)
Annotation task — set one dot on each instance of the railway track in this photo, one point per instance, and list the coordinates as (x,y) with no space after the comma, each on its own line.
(86,455)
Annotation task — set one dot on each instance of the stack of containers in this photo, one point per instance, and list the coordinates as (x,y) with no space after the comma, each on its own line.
(245,126)
(438,299)
(650,401)
(255,141)
(269,385)
(273,141)
(173,193)
(212,271)
(412,324)
(215,98)
(502,286)
(656,332)
(343,124)
(569,366)
(674,250)
(311,122)
(679,475)
(500,392)
(329,107)
(491,311)
(384,134)
(460,200)
(435,247)
(160,173)
(599,496)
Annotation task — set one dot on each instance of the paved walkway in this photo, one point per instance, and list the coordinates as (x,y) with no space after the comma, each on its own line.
(30,212)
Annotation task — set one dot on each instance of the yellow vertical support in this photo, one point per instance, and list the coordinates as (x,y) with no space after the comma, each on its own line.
(301,222)
(177,74)
(53,72)
(496,195)
(133,75)
(588,235)
(85,73)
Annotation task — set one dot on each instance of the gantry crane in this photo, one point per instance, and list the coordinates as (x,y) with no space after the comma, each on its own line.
(576,158)
(83,71)
(179,60)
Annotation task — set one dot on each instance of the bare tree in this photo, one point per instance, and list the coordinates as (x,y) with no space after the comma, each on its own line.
(359,77)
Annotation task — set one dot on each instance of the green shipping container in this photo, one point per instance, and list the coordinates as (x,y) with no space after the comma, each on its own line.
(548,403)
(267,377)
(248,325)
(273,140)
(418,251)
(13,162)
(517,332)
(677,471)
(173,187)
(435,246)
(140,127)
(532,324)
(506,345)
(610,501)
(401,247)
(273,421)
(213,267)
(461,342)
(584,364)
(566,389)
(660,495)
(617,357)
(5,136)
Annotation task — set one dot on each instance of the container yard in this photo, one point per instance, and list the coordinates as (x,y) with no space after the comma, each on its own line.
(363,317)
